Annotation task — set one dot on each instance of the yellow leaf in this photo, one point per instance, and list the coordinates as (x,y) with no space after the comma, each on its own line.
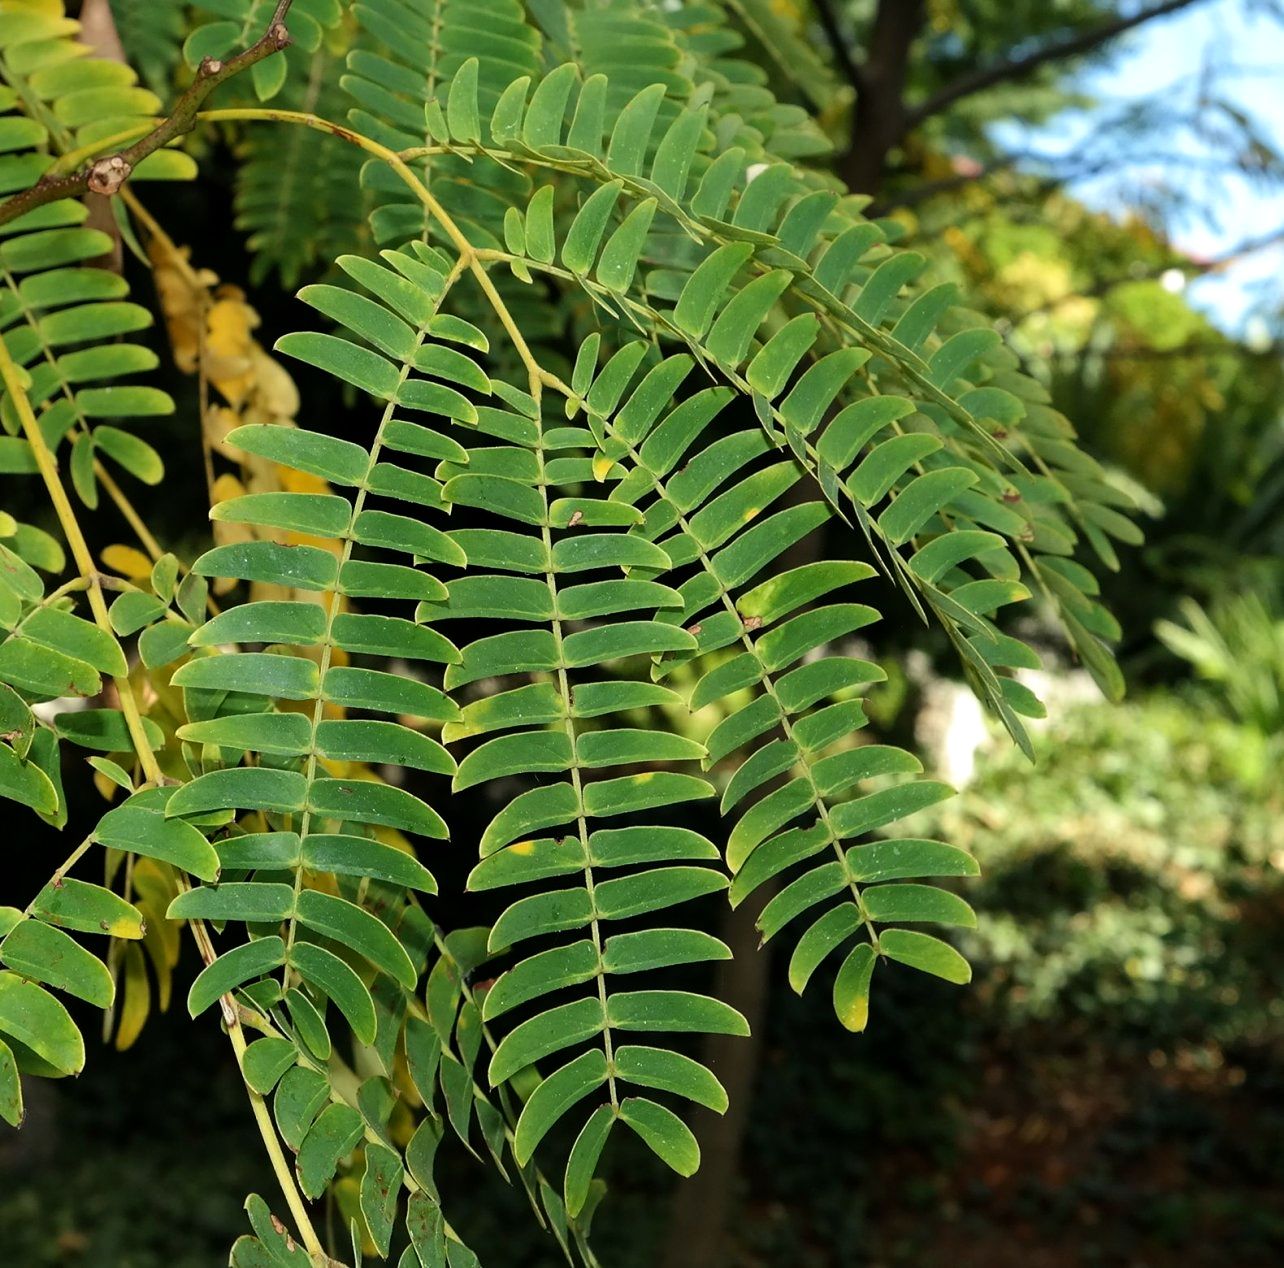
(155,886)
(227,487)
(300,481)
(277,390)
(401,1124)
(219,420)
(256,386)
(229,348)
(347,1196)
(136,998)
(127,561)
(45,8)
(183,293)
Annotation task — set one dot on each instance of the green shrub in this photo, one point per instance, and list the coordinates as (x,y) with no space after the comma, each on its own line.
(1133,879)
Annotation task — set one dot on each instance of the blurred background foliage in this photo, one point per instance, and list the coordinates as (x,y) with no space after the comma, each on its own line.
(1109,1091)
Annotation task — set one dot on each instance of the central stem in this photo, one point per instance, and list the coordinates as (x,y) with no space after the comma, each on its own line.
(80,552)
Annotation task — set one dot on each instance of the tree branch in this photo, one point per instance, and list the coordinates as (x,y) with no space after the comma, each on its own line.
(107,174)
(1018,67)
(930,189)
(1043,174)
(838,44)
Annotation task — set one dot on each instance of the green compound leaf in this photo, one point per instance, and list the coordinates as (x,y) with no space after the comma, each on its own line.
(47,954)
(36,1020)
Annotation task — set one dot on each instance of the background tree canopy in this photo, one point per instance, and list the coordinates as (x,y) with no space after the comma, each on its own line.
(731,395)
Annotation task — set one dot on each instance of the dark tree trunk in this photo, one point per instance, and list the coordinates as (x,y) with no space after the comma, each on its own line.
(698,1221)
(880,118)
(701,1206)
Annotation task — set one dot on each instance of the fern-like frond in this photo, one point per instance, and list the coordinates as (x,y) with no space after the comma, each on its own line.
(770,641)
(758,245)
(50,652)
(63,315)
(298,197)
(152,36)
(317,820)
(749,114)
(900,440)
(561,709)
(782,42)
(76,99)
(400,87)
(324,1119)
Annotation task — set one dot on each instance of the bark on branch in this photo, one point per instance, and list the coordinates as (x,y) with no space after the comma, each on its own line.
(1019,67)
(107,174)
(880,120)
(838,45)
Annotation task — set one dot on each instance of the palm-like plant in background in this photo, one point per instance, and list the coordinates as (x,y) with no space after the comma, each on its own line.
(623,350)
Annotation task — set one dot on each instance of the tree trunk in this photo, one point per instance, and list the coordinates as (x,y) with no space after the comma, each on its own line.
(879,123)
(698,1220)
(697,1224)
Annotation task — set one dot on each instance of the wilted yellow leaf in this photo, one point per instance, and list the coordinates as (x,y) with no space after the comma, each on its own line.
(184,294)
(135,998)
(127,561)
